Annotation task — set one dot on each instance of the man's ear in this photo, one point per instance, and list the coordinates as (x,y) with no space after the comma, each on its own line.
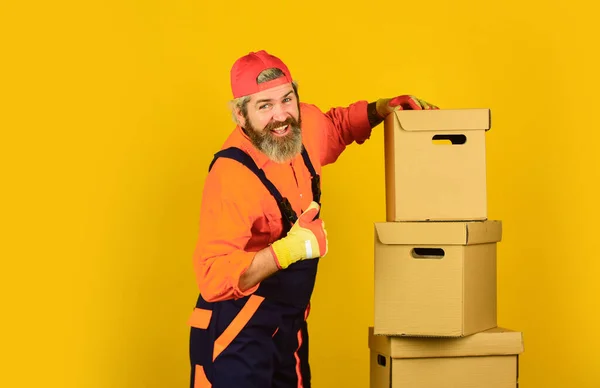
(239,117)
(236,114)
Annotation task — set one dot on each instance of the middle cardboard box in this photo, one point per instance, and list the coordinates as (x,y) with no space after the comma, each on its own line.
(435,278)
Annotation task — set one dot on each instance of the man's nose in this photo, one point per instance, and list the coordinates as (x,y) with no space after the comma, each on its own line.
(279,113)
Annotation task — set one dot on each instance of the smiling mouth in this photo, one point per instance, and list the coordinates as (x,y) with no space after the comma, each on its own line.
(281,131)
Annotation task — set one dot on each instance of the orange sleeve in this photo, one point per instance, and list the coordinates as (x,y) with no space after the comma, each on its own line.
(343,126)
(226,218)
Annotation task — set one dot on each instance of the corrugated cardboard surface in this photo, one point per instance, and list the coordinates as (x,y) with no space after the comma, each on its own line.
(430,181)
(468,372)
(451,295)
(492,342)
(439,233)
(480,288)
(444,120)
(487,359)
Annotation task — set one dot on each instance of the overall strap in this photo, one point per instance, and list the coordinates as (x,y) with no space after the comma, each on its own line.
(237,154)
(315,178)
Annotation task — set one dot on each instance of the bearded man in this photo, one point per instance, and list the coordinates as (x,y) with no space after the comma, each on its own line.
(261,236)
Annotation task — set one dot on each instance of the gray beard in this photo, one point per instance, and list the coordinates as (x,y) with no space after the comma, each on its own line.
(280,150)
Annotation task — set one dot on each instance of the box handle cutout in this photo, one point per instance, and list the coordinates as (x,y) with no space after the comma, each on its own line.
(427,253)
(381,360)
(449,139)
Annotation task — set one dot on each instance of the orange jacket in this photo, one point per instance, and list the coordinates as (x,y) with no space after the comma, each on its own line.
(238,215)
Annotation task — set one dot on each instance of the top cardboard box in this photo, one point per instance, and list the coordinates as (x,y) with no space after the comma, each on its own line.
(435,163)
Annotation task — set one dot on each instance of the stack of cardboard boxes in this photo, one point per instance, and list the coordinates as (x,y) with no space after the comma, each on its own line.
(435,259)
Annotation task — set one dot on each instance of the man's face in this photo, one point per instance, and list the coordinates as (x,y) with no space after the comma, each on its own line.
(272,122)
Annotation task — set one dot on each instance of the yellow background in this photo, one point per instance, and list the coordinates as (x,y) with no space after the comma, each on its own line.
(111,111)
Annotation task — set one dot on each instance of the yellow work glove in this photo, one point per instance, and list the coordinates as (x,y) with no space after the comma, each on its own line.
(307,239)
(385,106)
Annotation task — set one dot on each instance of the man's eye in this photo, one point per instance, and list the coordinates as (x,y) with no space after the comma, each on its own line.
(287,99)
(264,106)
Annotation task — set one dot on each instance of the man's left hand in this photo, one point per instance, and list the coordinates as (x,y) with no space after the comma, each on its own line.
(385,106)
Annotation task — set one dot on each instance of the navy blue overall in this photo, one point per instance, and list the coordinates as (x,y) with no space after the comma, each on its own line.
(261,340)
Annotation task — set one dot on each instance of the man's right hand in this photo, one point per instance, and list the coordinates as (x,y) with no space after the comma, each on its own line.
(307,239)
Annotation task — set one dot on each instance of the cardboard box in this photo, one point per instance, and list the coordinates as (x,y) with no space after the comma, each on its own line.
(435,162)
(488,359)
(435,278)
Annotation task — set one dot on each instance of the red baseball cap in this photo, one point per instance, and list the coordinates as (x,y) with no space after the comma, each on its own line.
(246,69)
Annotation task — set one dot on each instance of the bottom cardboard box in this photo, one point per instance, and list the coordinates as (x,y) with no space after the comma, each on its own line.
(489,359)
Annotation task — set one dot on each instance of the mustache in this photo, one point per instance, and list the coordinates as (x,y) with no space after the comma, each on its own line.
(276,124)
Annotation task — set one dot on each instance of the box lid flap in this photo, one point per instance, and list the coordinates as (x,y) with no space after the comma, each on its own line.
(496,341)
(439,233)
(443,119)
